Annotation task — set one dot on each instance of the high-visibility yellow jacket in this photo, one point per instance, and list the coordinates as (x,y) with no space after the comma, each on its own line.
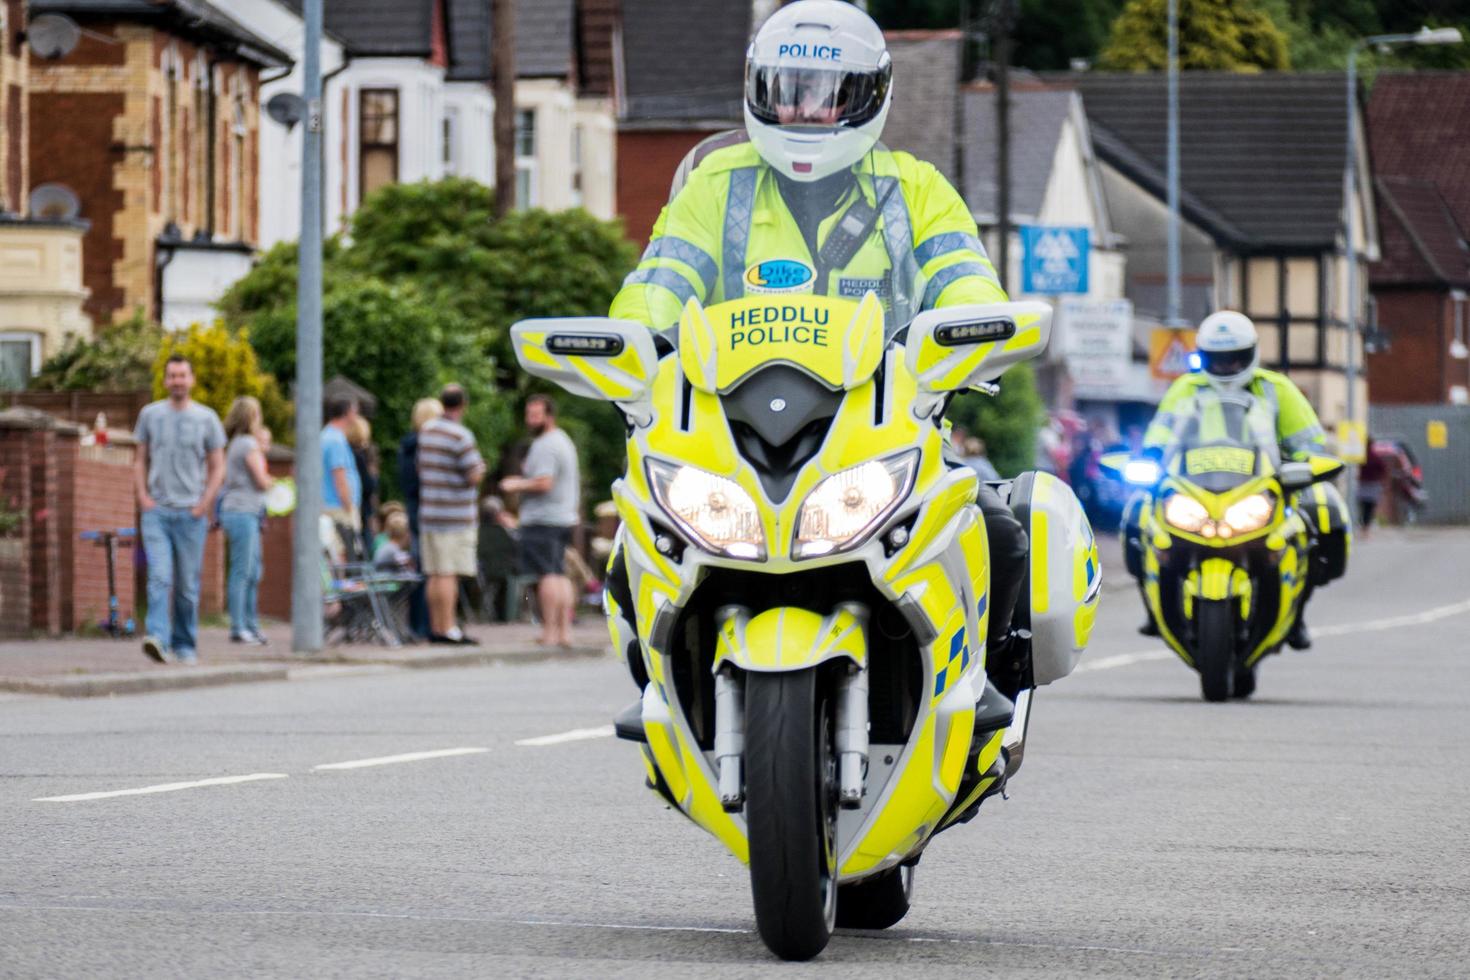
(728,233)
(1298,431)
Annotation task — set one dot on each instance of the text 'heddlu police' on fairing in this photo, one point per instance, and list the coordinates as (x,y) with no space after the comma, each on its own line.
(779,324)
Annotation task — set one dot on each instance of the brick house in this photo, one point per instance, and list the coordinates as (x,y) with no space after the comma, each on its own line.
(40,254)
(1418,128)
(1263,203)
(153,121)
(683,65)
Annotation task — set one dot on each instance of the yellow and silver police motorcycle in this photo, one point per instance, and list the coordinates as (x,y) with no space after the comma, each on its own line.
(1225,539)
(811,584)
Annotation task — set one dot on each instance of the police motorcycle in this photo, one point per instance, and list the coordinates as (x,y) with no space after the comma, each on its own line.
(1225,546)
(811,584)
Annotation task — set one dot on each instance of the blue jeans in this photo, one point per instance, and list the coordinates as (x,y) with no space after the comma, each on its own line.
(242,586)
(173,540)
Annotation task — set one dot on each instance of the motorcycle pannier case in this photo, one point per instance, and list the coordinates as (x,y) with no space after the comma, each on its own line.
(1064,577)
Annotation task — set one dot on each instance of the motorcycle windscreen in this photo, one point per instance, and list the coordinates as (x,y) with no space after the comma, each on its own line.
(1225,442)
(837,341)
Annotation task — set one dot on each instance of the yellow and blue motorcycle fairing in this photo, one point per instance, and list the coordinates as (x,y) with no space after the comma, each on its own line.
(934,573)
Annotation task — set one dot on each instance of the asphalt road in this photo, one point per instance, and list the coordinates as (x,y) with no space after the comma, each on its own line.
(1319,830)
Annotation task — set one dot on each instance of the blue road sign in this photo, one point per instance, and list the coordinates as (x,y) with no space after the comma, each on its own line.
(1054,260)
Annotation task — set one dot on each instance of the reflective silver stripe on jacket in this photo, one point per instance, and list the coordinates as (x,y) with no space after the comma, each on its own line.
(669,279)
(944,277)
(738,208)
(680,250)
(898,240)
(950,241)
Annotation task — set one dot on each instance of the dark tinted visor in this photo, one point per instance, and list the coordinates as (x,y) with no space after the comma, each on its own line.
(788,96)
(1224,363)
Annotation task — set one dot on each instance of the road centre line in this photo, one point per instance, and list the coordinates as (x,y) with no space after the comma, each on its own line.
(161,788)
(1394,622)
(389,760)
(575,735)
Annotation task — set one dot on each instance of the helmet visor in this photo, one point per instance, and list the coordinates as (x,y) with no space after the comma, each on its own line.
(787,96)
(1227,363)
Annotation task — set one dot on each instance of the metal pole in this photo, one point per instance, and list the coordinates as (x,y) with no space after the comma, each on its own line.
(306,582)
(1003,140)
(1350,223)
(1173,313)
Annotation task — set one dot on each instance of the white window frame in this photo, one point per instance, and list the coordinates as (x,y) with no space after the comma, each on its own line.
(29,336)
(527,162)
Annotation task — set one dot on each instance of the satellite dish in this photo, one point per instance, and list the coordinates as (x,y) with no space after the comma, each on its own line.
(52,36)
(286,108)
(54,202)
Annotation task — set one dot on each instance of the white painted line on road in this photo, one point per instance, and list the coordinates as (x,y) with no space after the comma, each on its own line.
(162,788)
(389,760)
(1395,622)
(1123,660)
(575,735)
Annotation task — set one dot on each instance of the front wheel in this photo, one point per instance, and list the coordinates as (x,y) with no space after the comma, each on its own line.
(877,902)
(791,811)
(1214,656)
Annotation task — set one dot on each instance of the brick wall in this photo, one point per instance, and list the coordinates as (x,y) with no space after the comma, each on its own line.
(15,552)
(1417,368)
(643,190)
(275,545)
(51,581)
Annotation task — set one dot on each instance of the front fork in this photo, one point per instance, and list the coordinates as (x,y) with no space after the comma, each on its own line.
(851,740)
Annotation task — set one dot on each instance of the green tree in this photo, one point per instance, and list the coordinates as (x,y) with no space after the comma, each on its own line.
(118,358)
(460,277)
(391,341)
(1008,422)
(225,367)
(1235,36)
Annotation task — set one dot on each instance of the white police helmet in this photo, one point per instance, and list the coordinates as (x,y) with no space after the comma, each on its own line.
(1228,349)
(817,88)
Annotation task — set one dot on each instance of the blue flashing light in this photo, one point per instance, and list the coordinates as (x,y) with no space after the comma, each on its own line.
(1142,472)
(1196,363)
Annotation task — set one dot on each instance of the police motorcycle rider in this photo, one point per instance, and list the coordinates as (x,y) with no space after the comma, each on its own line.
(1229,361)
(806,199)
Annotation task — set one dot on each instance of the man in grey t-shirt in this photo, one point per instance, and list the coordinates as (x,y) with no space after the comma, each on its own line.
(180,466)
(551,500)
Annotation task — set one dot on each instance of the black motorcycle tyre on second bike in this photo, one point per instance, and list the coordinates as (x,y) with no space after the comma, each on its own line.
(1222,676)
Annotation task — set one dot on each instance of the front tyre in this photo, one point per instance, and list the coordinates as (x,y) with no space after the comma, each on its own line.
(791,811)
(1215,649)
(877,902)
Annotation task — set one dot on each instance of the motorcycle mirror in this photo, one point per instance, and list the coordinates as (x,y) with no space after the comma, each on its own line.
(1303,473)
(594,357)
(957,347)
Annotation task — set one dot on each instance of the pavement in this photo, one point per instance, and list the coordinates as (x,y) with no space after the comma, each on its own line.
(481,821)
(101,667)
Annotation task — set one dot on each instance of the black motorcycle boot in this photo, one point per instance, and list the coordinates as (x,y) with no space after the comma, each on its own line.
(1300,638)
(1149,627)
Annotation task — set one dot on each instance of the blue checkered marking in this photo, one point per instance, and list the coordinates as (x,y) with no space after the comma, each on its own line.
(958,648)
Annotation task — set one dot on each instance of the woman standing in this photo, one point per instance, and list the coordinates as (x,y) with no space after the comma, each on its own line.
(241,506)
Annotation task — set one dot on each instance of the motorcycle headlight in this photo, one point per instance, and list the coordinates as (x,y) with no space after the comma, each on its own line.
(713,510)
(846,507)
(1185,513)
(1250,513)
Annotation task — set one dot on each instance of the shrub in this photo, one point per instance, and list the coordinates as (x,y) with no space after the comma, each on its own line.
(225,367)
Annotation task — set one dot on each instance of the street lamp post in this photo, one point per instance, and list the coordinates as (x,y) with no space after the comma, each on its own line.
(1424,36)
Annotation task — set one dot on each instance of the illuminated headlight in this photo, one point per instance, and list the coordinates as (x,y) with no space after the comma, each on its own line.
(846,507)
(1250,514)
(1185,513)
(716,512)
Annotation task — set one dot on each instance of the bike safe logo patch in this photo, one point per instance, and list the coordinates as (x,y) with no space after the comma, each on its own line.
(778,276)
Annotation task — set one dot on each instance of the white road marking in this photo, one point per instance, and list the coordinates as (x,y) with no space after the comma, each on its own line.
(1123,660)
(162,788)
(575,735)
(389,760)
(1396,622)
